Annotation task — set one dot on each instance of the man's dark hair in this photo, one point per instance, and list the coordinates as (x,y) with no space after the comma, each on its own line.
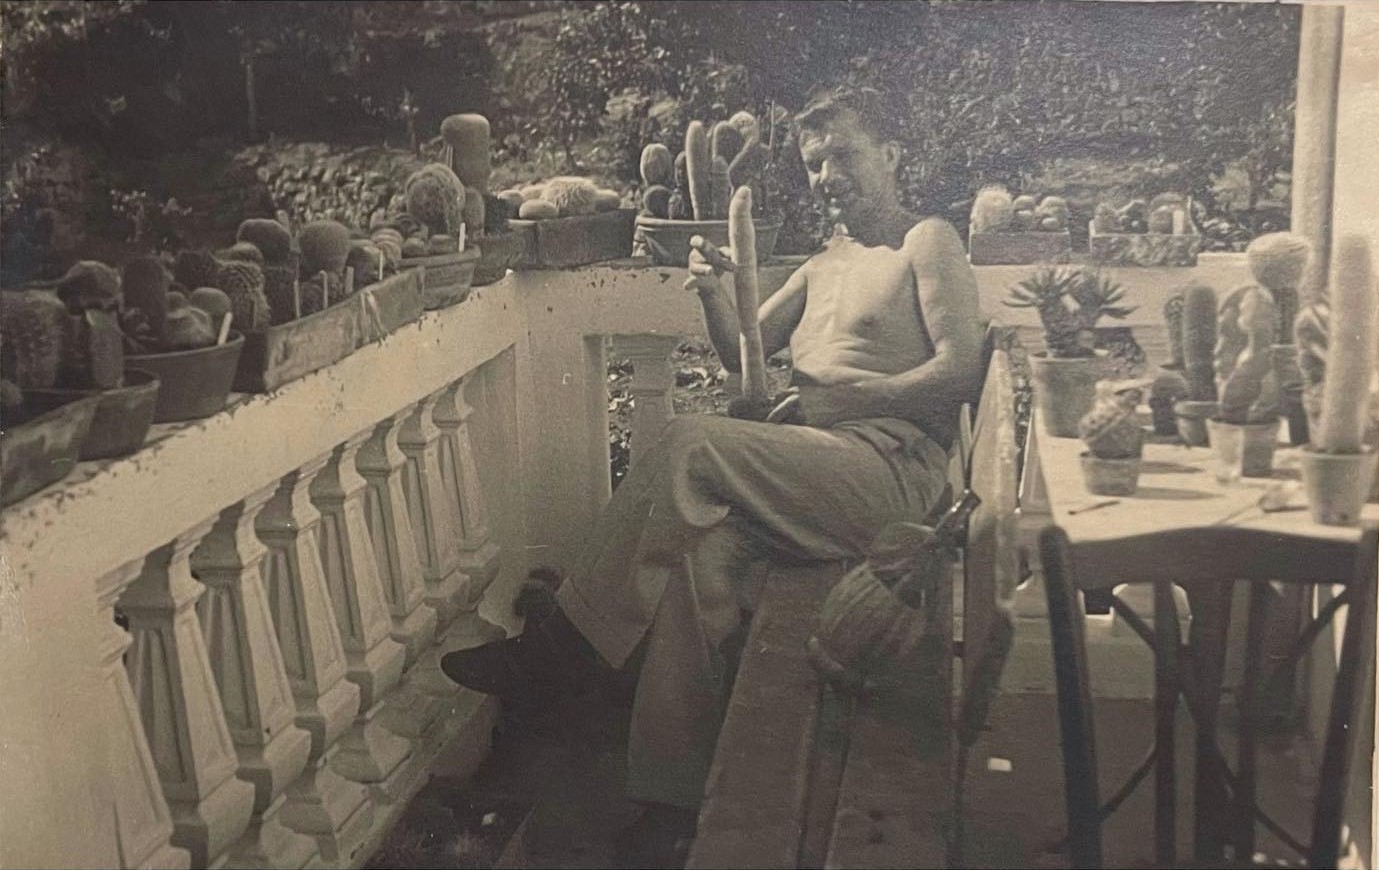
(867,104)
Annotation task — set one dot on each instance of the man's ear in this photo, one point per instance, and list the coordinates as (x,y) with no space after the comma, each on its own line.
(891,151)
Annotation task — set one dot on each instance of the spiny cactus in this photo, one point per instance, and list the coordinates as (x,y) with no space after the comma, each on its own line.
(1173,322)
(725,141)
(33,334)
(212,301)
(1069,303)
(196,268)
(656,201)
(571,195)
(747,125)
(993,210)
(1277,261)
(1199,342)
(697,167)
(277,289)
(1350,350)
(749,165)
(242,251)
(681,172)
(435,197)
(467,139)
(187,328)
(272,239)
(657,166)
(1110,430)
(1105,220)
(1169,388)
(243,283)
(720,189)
(368,263)
(1245,380)
(325,246)
(145,284)
(90,284)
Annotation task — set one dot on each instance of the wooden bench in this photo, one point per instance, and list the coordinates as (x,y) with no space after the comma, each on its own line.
(804,776)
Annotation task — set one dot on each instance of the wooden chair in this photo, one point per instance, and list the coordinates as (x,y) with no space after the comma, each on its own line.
(1227,811)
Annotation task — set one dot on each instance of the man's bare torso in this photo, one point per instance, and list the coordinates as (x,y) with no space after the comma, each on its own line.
(862,316)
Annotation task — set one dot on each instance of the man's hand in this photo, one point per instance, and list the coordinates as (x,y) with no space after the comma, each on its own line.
(823,406)
(706,278)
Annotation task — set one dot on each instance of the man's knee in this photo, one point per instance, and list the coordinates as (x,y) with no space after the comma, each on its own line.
(686,434)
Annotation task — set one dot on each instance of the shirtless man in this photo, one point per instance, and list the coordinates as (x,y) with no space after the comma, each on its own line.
(885,339)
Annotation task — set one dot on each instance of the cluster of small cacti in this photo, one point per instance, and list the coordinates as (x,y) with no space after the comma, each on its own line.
(995,211)
(1199,342)
(1277,261)
(698,183)
(1165,214)
(1245,383)
(559,197)
(1110,430)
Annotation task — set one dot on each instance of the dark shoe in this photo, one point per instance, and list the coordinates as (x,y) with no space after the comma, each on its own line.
(549,661)
(660,838)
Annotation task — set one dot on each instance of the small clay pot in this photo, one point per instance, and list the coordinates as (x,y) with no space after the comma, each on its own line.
(1337,484)
(1249,447)
(194,383)
(1065,389)
(1192,416)
(1110,476)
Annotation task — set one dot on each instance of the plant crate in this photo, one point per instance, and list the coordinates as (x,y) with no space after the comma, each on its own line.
(122,417)
(41,445)
(498,253)
(446,278)
(283,353)
(1019,248)
(1143,249)
(560,243)
(396,302)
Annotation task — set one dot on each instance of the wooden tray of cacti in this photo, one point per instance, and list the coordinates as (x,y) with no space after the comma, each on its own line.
(1006,231)
(1157,233)
(569,221)
(40,446)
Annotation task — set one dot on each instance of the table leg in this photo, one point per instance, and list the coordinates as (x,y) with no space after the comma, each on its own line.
(1211,615)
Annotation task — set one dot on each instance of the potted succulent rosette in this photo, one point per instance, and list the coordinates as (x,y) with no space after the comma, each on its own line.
(1114,439)
(1069,303)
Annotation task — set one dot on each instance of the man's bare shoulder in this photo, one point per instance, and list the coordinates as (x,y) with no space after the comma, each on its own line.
(933,236)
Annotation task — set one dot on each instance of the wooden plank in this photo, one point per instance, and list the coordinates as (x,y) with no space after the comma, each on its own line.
(756,804)
(991,558)
(895,799)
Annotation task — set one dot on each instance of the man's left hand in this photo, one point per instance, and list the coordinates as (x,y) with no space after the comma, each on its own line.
(823,406)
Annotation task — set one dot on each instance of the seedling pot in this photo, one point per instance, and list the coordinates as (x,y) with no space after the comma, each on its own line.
(1337,484)
(1110,476)
(194,383)
(1065,390)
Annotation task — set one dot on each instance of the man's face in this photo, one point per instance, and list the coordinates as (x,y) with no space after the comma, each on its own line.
(849,170)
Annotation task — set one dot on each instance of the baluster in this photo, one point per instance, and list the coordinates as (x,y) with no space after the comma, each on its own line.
(321,802)
(477,560)
(433,520)
(418,702)
(371,753)
(382,463)
(254,691)
(653,379)
(170,674)
(142,818)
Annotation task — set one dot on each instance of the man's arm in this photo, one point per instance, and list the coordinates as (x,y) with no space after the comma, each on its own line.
(778,315)
(930,393)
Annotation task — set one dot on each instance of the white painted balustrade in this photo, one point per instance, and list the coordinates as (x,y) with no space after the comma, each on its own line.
(292,569)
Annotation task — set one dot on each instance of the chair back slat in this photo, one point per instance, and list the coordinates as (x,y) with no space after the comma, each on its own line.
(1221,556)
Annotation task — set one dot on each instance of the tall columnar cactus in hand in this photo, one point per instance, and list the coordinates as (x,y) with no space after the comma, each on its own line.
(1277,261)
(1244,366)
(1199,342)
(1350,350)
(697,167)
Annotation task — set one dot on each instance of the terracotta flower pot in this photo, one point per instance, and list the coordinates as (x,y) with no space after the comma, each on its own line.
(1110,476)
(1065,389)
(194,383)
(1244,449)
(668,240)
(1337,484)
(1192,418)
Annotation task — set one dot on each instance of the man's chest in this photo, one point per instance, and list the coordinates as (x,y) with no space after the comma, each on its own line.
(863,292)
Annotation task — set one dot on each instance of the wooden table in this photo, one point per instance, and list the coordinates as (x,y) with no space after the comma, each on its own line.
(1177,489)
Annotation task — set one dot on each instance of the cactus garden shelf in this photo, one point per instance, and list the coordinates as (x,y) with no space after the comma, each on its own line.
(578,240)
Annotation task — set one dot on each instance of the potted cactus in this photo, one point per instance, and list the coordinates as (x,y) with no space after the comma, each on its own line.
(1069,302)
(689,196)
(1170,387)
(1155,233)
(1199,348)
(570,221)
(1338,467)
(1018,231)
(1277,261)
(1246,425)
(1114,439)
(429,218)
(468,152)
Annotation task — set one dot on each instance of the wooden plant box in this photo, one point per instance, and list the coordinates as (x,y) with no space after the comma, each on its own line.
(446,278)
(397,301)
(1143,249)
(1019,248)
(42,450)
(560,243)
